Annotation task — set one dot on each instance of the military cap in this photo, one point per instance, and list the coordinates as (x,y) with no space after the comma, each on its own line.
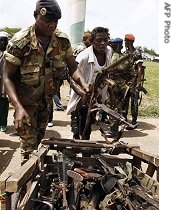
(129,37)
(4,34)
(117,40)
(49,8)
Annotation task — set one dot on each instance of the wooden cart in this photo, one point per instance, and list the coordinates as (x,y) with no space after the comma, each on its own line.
(28,180)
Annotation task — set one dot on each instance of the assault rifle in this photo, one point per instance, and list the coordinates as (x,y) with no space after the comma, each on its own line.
(114,114)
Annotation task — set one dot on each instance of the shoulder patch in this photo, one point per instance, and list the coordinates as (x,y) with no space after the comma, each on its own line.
(20,38)
(61,34)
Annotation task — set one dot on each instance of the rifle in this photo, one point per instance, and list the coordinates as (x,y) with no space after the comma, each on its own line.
(88,175)
(109,169)
(114,114)
(141,89)
(61,161)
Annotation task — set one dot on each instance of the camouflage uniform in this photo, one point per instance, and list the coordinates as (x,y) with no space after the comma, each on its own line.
(119,77)
(36,76)
(125,77)
(131,81)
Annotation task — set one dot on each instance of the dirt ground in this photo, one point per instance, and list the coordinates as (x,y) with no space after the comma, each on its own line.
(146,136)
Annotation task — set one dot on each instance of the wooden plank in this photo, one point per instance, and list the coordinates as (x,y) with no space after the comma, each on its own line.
(5,202)
(31,193)
(147,182)
(22,175)
(147,157)
(150,170)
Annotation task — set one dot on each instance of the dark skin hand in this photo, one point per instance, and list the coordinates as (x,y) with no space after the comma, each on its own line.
(21,116)
(44,30)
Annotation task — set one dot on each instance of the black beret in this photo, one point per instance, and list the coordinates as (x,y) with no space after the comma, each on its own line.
(49,8)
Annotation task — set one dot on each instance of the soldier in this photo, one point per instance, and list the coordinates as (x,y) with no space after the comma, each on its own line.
(117,46)
(90,62)
(35,58)
(4,103)
(119,79)
(133,79)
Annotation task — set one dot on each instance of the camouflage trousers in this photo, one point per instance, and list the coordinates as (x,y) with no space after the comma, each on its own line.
(131,100)
(31,136)
(119,95)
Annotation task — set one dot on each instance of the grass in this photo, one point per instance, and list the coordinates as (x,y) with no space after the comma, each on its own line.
(150,102)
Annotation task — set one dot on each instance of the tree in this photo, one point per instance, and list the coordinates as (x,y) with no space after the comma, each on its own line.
(150,52)
(10,31)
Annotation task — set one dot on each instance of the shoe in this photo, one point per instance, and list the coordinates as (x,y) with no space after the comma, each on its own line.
(135,125)
(50,124)
(3,128)
(111,134)
(59,109)
(76,136)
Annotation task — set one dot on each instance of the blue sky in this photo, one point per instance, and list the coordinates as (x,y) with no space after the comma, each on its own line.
(139,17)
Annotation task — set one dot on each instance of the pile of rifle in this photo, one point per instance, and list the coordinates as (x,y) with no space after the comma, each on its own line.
(69,185)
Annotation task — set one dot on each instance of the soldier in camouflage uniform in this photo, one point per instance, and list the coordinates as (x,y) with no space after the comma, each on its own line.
(35,58)
(128,80)
(133,80)
(118,77)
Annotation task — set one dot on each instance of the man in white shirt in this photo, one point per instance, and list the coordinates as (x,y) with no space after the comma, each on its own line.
(90,62)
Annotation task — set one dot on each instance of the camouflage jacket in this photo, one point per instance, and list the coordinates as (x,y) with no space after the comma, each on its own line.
(125,73)
(38,71)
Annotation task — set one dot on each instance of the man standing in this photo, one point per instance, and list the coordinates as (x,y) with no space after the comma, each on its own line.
(36,57)
(90,62)
(134,80)
(119,78)
(4,103)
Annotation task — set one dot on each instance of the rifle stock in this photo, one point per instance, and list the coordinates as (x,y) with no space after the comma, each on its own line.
(143,90)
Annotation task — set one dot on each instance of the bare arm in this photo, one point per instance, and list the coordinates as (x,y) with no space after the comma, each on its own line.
(9,73)
(76,74)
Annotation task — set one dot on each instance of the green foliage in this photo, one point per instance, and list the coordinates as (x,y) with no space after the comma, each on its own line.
(10,31)
(151,51)
(150,102)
